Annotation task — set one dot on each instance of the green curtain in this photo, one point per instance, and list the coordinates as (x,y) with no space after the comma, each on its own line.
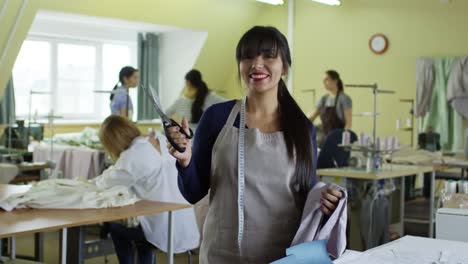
(148,66)
(7,104)
(441,116)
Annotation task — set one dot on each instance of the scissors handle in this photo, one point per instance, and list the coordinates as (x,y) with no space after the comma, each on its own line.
(181,130)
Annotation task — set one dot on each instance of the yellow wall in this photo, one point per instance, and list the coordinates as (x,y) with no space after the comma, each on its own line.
(337,38)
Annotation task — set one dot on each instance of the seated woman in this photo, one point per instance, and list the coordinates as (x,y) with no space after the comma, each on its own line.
(149,171)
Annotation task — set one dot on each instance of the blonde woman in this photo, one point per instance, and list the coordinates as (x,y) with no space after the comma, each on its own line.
(149,172)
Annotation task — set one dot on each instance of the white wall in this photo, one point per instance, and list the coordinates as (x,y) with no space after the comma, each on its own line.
(179,51)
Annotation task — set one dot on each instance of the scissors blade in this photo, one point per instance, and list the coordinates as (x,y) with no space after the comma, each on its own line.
(155,100)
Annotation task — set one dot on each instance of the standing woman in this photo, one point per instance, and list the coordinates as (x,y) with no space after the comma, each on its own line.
(280,159)
(121,103)
(335,108)
(195,100)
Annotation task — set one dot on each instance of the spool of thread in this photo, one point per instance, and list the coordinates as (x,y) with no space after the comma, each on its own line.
(369,165)
(368,141)
(394,143)
(463,186)
(450,187)
(398,124)
(346,138)
(388,143)
(378,145)
(408,122)
(362,139)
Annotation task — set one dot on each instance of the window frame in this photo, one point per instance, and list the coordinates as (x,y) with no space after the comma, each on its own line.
(98,44)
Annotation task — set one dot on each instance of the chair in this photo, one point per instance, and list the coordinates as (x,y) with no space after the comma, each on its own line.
(331,153)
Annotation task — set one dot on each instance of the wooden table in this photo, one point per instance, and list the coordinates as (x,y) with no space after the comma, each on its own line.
(27,221)
(389,172)
(26,168)
(450,163)
(33,166)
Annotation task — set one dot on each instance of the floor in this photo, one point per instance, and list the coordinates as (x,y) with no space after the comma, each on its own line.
(25,246)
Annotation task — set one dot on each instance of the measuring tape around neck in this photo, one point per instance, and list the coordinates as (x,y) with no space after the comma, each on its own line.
(241,175)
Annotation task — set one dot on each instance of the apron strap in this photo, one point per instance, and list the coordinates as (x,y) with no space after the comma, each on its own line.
(233,115)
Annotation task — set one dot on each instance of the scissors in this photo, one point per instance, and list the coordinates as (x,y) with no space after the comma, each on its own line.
(166,121)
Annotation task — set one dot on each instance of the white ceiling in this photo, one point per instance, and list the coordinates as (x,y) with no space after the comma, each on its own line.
(51,23)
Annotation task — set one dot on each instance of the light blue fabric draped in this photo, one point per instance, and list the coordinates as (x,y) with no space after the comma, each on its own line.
(148,66)
(441,116)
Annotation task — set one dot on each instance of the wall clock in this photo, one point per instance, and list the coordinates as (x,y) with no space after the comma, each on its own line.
(378,43)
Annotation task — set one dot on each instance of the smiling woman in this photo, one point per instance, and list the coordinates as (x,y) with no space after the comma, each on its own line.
(280,150)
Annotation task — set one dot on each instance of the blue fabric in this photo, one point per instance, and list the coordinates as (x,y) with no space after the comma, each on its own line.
(127,241)
(194,181)
(120,101)
(330,152)
(309,252)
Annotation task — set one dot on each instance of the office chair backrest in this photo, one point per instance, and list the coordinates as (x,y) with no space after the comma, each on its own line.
(331,152)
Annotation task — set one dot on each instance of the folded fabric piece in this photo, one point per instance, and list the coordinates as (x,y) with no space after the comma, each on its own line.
(69,194)
(88,137)
(333,231)
(306,253)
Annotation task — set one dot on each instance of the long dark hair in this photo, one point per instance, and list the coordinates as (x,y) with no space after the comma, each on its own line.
(270,41)
(195,78)
(334,75)
(125,72)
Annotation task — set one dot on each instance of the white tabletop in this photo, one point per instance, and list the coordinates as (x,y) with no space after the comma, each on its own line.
(410,249)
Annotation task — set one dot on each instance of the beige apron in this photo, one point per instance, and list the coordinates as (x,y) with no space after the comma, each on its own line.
(271,216)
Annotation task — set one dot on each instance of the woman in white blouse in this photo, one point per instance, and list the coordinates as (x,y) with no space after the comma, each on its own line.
(196,98)
(149,171)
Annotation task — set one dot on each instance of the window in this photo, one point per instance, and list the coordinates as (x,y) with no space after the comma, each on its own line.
(32,75)
(69,71)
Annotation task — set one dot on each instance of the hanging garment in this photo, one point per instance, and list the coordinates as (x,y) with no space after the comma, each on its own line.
(443,118)
(271,215)
(69,194)
(333,230)
(424,84)
(457,86)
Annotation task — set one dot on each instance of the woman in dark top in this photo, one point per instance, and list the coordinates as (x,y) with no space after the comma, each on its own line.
(335,108)
(257,221)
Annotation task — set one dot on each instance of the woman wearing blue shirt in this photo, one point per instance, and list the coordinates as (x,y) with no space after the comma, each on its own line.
(280,153)
(121,103)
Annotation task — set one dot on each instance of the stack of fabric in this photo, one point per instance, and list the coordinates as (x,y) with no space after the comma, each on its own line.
(69,194)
